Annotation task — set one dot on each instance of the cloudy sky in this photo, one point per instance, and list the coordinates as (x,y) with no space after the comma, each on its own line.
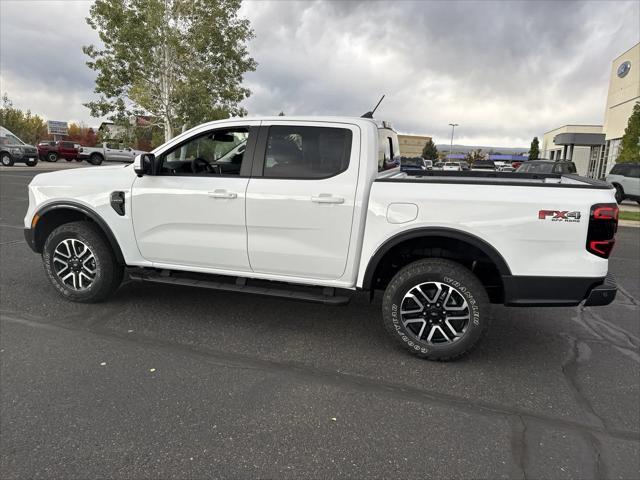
(505,70)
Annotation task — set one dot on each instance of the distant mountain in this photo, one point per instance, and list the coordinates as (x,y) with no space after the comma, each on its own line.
(469,148)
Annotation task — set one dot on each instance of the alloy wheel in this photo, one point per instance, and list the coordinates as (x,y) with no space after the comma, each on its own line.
(435,313)
(75,264)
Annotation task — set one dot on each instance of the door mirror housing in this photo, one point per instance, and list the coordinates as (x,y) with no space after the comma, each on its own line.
(143,164)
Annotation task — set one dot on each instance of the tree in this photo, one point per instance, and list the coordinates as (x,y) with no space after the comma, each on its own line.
(82,134)
(27,127)
(475,155)
(630,143)
(534,151)
(178,62)
(430,152)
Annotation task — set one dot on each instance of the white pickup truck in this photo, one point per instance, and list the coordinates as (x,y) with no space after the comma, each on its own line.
(108,151)
(303,208)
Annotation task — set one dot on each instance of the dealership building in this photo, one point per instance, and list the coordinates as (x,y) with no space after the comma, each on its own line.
(594,148)
(412,145)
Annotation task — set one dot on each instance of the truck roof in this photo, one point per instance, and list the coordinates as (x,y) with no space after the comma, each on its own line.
(312,118)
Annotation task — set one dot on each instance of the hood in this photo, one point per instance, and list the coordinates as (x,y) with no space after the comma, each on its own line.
(84,176)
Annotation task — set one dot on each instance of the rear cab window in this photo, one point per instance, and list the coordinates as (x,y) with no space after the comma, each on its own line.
(306,152)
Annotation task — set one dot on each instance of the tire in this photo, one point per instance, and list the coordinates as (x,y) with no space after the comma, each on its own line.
(78,159)
(69,159)
(619,193)
(95,159)
(31,163)
(68,241)
(52,157)
(428,329)
(6,160)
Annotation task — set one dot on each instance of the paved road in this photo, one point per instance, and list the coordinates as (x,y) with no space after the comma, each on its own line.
(168,382)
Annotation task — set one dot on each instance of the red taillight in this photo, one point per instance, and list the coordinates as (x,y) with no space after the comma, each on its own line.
(601,212)
(603,224)
(601,247)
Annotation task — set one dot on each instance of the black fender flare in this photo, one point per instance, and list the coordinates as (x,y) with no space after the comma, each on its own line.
(78,207)
(480,244)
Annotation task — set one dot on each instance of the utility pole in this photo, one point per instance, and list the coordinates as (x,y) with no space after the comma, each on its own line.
(453,128)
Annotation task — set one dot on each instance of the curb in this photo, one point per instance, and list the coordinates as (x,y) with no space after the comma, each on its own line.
(628,223)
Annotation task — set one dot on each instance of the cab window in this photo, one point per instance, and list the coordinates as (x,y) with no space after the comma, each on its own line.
(218,152)
(306,152)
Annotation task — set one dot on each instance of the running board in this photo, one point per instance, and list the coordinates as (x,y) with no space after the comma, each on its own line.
(241,285)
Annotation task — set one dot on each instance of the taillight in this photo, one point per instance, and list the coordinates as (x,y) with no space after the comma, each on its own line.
(603,224)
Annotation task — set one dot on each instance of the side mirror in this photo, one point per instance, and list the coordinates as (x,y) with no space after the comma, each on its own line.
(143,164)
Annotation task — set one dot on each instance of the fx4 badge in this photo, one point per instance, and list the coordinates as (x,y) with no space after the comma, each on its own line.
(559,215)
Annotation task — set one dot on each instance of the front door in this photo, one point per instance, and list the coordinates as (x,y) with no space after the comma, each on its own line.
(192,212)
(300,200)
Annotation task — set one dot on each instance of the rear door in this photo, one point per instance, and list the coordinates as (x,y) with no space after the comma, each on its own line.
(67,150)
(631,180)
(300,199)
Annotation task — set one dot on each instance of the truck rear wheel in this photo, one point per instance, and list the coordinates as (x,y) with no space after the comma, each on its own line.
(436,309)
(80,263)
(95,159)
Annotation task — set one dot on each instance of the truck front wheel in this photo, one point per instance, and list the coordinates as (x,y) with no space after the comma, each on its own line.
(436,309)
(80,263)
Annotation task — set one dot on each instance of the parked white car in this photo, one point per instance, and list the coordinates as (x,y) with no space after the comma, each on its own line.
(625,177)
(452,167)
(108,151)
(309,212)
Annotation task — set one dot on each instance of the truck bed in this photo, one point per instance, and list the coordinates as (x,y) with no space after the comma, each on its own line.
(494,178)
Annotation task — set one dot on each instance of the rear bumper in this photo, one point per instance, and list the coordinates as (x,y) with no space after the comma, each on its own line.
(602,294)
(524,291)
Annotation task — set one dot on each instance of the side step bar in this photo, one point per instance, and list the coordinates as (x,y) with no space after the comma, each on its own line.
(327,296)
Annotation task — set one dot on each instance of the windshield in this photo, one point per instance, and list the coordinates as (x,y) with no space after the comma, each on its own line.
(536,168)
(452,164)
(9,139)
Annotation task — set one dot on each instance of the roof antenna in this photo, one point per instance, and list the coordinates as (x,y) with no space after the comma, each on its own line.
(370,114)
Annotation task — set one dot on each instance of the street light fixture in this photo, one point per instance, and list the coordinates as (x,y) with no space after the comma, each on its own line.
(453,128)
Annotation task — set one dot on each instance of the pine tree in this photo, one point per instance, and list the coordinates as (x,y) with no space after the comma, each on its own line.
(534,151)
(430,152)
(630,144)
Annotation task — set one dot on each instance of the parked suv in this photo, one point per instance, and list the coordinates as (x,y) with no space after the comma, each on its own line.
(12,150)
(53,150)
(547,166)
(625,177)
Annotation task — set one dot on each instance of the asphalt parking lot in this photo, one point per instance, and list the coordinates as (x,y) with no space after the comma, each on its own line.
(171,382)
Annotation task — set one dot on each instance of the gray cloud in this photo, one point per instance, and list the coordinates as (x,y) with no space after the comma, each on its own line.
(504,70)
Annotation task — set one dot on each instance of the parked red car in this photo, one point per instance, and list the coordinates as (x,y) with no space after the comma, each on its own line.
(52,151)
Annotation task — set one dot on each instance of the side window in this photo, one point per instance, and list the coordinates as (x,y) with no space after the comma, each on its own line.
(620,169)
(633,171)
(306,152)
(571,168)
(218,152)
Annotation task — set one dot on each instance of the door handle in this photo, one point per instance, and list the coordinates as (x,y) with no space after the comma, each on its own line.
(326,198)
(222,194)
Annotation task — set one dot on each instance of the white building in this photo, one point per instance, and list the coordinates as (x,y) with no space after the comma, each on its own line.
(594,148)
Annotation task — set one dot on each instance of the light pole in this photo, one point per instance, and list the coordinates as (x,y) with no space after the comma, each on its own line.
(453,128)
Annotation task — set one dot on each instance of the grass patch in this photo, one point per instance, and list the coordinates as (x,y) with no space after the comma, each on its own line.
(634,216)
